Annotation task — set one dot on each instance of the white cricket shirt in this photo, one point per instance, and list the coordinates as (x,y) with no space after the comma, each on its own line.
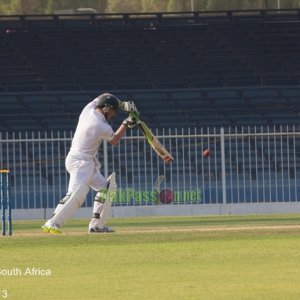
(92,129)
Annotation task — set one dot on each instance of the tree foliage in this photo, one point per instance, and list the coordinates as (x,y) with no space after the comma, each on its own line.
(8,7)
(116,6)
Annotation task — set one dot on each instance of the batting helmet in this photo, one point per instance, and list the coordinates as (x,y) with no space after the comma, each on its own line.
(108,100)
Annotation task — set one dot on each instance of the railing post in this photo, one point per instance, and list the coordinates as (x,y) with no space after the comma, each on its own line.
(223,165)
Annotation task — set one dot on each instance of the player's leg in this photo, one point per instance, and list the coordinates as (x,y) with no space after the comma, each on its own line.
(61,203)
(99,184)
(102,204)
(72,166)
(98,208)
(80,174)
(66,210)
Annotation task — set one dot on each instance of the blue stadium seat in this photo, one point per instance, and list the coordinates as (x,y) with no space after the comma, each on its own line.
(216,73)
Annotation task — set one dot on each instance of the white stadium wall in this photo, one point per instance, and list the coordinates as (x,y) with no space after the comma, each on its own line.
(170,210)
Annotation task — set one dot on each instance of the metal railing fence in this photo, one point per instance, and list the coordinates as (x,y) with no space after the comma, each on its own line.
(246,165)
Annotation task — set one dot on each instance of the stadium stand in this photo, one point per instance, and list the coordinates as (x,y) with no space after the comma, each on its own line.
(163,108)
(206,69)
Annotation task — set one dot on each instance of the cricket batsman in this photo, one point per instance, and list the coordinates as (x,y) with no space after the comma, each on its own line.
(83,166)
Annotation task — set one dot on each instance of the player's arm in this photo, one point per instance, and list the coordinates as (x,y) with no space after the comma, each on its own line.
(118,135)
(129,122)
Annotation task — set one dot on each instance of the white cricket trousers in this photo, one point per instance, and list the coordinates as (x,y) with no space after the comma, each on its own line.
(84,170)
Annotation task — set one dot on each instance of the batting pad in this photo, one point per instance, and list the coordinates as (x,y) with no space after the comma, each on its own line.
(74,202)
(111,194)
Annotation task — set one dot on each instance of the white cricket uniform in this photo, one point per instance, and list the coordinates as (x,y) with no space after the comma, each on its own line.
(83,165)
(82,162)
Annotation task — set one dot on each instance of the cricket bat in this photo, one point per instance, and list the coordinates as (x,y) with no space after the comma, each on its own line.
(154,143)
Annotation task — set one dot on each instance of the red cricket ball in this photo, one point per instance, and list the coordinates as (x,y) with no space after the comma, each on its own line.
(206,153)
(166,196)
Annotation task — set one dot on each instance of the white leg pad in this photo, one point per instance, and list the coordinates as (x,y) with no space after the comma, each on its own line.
(111,194)
(97,207)
(61,203)
(104,213)
(67,209)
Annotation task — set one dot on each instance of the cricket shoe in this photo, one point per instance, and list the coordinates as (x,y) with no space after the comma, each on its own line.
(105,229)
(53,229)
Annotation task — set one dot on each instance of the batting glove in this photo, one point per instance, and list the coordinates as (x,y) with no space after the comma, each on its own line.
(127,106)
(132,120)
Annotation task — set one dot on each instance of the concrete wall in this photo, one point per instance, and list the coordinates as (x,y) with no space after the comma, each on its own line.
(171,210)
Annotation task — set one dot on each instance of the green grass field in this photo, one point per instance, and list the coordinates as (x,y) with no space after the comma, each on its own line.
(232,257)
